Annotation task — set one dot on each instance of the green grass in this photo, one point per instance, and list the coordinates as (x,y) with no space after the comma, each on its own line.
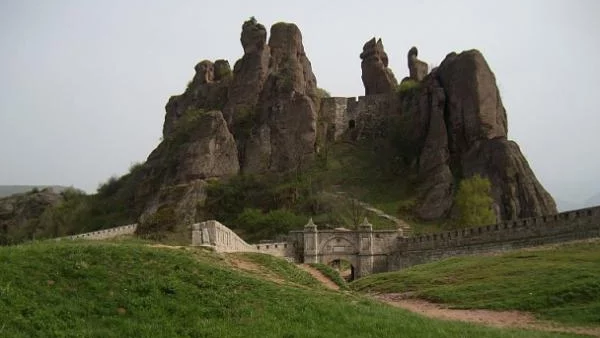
(83,289)
(280,268)
(332,274)
(558,283)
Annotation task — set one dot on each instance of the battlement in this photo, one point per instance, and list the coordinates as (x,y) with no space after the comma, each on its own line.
(508,235)
(106,233)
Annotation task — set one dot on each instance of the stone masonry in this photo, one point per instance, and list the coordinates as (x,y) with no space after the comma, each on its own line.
(373,251)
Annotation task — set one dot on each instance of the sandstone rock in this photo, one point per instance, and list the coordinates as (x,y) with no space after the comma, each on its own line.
(249,75)
(417,68)
(20,215)
(516,191)
(199,148)
(284,133)
(376,76)
(436,187)
(466,135)
(474,107)
(207,91)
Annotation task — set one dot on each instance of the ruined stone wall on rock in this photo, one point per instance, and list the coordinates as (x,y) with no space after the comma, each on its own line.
(359,117)
(504,236)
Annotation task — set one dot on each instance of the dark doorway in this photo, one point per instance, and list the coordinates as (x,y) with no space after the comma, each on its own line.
(344,268)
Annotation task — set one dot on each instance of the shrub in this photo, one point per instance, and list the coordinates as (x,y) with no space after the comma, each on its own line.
(407,85)
(474,202)
(261,225)
(321,93)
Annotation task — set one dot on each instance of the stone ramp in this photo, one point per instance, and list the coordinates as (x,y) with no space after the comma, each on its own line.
(222,239)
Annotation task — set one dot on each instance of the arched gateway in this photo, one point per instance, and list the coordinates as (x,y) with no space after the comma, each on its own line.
(365,249)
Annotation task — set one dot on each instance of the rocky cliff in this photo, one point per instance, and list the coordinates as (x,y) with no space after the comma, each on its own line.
(264,116)
(454,119)
(20,214)
(259,118)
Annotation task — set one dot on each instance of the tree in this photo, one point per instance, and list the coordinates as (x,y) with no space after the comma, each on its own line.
(474,202)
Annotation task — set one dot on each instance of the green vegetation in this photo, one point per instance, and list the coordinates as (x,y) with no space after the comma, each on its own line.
(263,206)
(258,225)
(83,289)
(561,284)
(278,268)
(113,205)
(407,85)
(322,93)
(474,202)
(332,274)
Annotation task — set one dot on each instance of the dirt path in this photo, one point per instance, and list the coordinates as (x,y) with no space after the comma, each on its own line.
(319,276)
(502,319)
(406,228)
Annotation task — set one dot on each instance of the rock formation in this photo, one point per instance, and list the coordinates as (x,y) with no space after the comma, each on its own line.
(466,134)
(376,75)
(20,215)
(284,133)
(417,68)
(259,118)
(262,117)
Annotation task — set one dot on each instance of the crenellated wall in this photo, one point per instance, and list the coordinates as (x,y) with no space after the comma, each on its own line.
(528,232)
(106,233)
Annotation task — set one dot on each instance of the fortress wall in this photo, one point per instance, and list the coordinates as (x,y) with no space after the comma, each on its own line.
(221,238)
(279,249)
(509,235)
(105,233)
(361,116)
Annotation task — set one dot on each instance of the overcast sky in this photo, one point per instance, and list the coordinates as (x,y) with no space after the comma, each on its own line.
(83,83)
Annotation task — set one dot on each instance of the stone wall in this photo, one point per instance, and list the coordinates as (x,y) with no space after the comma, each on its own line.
(222,239)
(359,117)
(106,233)
(504,236)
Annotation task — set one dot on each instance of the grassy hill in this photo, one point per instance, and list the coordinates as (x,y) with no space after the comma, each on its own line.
(560,283)
(126,289)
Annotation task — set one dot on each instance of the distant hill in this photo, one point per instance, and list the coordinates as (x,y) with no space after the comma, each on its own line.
(593,201)
(7,190)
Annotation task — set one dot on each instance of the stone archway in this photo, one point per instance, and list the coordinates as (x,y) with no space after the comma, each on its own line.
(344,267)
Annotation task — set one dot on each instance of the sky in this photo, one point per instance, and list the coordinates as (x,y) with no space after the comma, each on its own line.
(83,83)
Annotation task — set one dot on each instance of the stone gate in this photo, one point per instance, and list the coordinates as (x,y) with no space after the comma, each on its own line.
(365,249)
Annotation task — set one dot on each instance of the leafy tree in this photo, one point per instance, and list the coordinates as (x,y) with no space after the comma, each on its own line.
(474,202)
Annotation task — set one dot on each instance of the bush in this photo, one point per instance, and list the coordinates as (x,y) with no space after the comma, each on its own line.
(157,224)
(322,93)
(407,85)
(261,225)
(474,202)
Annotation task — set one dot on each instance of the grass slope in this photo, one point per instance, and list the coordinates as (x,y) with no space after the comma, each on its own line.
(559,283)
(81,289)
(332,274)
